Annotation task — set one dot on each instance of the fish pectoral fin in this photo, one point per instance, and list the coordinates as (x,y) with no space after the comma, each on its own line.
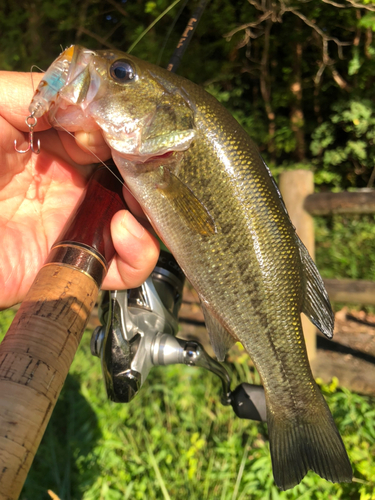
(186,204)
(316,304)
(221,339)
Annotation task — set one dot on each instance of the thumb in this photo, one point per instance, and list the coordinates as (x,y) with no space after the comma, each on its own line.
(137,253)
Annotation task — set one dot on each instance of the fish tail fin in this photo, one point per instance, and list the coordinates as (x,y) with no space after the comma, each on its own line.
(299,446)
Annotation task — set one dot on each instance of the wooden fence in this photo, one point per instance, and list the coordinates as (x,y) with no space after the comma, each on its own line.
(297,188)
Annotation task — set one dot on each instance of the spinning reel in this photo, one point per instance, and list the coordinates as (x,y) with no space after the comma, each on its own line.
(138,331)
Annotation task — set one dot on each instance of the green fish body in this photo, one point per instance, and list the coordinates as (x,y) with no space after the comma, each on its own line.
(207,192)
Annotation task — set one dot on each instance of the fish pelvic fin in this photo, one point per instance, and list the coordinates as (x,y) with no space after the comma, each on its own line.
(298,446)
(316,304)
(221,340)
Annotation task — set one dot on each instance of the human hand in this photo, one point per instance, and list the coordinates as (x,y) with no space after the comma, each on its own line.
(38,193)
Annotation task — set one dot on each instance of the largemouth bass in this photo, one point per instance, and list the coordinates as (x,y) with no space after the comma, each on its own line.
(211,198)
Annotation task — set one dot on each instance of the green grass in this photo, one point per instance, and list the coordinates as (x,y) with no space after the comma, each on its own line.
(176,441)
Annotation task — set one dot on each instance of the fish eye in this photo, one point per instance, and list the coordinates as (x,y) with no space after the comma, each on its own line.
(122,71)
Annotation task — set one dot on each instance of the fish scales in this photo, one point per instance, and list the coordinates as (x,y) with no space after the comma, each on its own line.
(255,241)
(207,192)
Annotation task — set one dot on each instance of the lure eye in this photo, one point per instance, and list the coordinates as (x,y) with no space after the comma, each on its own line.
(122,71)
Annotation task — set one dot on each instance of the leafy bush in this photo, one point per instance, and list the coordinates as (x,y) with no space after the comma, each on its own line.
(347,141)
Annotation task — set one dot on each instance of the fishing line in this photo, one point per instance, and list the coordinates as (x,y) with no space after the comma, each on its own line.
(91,152)
(31,74)
(151,26)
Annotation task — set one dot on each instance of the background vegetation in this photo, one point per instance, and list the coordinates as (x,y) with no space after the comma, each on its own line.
(299,76)
(176,441)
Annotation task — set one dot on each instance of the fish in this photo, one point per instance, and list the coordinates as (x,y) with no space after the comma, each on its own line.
(211,198)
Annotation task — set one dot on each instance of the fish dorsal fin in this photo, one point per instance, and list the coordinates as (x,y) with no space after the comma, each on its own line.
(221,340)
(316,304)
(186,204)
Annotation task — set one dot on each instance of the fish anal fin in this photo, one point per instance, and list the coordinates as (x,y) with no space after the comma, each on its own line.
(221,339)
(299,446)
(186,204)
(316,304)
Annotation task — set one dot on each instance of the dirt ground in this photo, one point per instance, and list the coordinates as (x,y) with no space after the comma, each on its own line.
(349,356)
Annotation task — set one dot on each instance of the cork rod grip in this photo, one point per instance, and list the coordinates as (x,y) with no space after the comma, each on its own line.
(39,347)
(35,358)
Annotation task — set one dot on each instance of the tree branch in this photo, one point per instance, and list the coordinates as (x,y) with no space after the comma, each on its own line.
(352,3)
(361,5)
(82,20)
(325,37)
(118,7)
(114,29)
(265,87)
(339,79)
(265,16)
(98,38)
(256,5)
(339,5)
(319,74)
(368,42)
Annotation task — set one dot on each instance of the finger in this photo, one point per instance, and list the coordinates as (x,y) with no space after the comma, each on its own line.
(132,203)
(93,143)
(77,154)
(136,209)
(52,150)
(137,253)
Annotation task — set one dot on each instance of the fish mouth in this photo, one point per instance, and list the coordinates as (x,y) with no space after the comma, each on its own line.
(137,155)
(137,159)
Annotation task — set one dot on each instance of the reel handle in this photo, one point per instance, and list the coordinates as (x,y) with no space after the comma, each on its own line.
(248,401)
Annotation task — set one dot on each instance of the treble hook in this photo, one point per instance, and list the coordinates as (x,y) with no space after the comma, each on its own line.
(31,136)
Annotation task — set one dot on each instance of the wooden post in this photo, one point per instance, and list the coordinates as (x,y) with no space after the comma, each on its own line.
(295,186)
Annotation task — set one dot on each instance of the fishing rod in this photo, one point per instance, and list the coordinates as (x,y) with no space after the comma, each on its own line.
(186,37)
(39,347)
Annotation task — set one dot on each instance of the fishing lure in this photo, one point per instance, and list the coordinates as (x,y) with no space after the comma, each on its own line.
(63,70)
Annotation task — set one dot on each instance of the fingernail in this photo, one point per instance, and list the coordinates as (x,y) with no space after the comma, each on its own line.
(132,225)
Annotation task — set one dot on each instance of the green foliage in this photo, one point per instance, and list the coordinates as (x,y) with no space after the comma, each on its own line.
(175,440)
(346,140)
(368,21)
(256,77)
(345,246)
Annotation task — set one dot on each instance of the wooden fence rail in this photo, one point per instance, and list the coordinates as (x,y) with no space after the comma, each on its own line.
(358,202)
(297,188)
